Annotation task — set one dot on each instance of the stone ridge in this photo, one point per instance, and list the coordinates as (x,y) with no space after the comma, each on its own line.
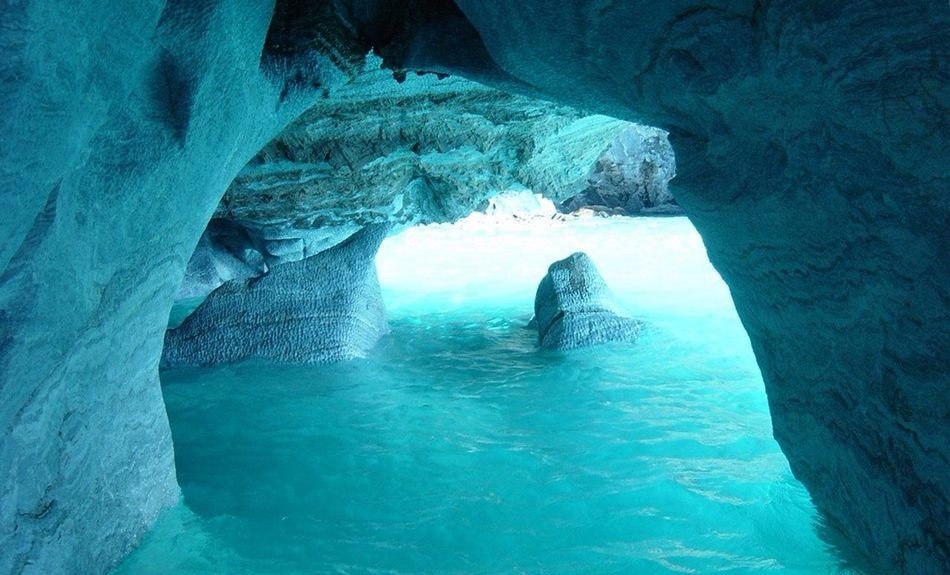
(426,150)
(573,307)
(321,309)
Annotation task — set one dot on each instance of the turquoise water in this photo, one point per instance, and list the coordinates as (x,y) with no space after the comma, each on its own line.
(459,447)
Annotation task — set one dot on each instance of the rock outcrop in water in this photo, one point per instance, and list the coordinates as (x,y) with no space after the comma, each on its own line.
(811,148)
(573,307)
(321,309)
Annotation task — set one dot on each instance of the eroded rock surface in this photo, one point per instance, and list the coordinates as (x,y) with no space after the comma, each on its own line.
(631,176)
(433,150)
(424,150)
(573,307)
(811,142)
(320,309)
(122,126)
(225,252)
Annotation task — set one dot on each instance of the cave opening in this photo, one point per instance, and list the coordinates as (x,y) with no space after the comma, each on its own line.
(458,445)
(455,443)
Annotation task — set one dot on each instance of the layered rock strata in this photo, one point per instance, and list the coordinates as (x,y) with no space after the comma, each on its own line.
(432,150)
(321,309)
(424,150)
(574,308)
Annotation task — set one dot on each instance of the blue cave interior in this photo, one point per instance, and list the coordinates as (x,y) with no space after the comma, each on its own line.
(449,286)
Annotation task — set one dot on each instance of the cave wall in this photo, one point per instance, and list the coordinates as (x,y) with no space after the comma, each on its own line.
(425,149)
(811,143)
(123,125)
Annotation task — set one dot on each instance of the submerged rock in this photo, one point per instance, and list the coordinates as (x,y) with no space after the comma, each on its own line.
(321,309)
(574,308)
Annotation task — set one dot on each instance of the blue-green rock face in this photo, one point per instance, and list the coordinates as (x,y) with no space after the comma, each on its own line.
(322,309)
(810,155)
(574,308)
(123,125)
(811,146)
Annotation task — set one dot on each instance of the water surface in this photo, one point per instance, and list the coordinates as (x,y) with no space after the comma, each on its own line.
(460,447)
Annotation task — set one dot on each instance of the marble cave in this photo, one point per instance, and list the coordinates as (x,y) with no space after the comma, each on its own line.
(322,410)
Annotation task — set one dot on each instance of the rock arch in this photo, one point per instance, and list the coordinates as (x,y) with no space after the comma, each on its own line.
(122,128)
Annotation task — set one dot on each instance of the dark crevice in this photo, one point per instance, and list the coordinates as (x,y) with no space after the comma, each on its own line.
(173,93)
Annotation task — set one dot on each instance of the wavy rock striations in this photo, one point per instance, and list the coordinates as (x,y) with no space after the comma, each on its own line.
(424,150)
(122,127)
(573,307)
(811,142)
(321,309)
(430,150)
